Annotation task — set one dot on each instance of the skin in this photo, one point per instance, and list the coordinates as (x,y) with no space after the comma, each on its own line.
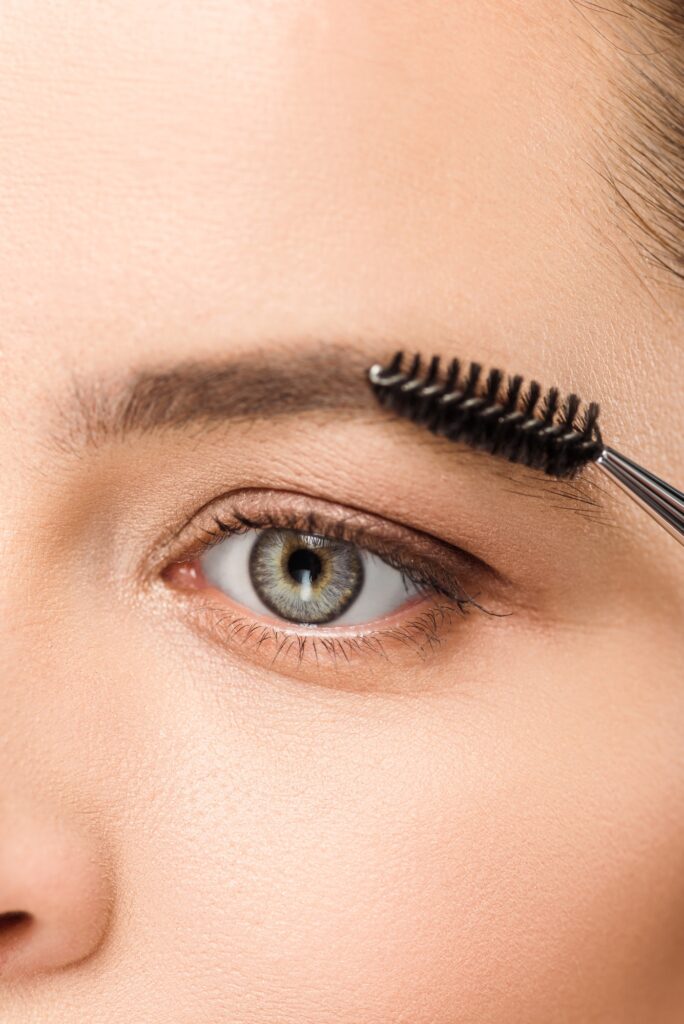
(487,832)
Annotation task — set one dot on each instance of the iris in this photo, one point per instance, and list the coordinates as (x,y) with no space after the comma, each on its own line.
(305,578)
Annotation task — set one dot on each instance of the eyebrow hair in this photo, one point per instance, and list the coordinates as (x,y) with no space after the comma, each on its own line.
(261,383)
(257,384)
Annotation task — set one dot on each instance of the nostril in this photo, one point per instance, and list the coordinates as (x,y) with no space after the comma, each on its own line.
(12,924)
(12,919)
(55,896)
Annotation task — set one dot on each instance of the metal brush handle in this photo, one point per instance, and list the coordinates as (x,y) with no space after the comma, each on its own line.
(662,501)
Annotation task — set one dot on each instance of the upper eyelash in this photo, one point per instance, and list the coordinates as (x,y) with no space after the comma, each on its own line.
(339,530)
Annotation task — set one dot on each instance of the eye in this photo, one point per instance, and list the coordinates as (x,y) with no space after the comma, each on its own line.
(306,578)
(300,582)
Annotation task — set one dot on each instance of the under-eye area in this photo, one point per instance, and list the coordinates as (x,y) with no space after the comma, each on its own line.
(299,581)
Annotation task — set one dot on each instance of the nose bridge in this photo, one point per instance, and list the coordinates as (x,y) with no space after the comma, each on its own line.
(26,608)
(56,889)
(15,556)
(55,876)
(27,599)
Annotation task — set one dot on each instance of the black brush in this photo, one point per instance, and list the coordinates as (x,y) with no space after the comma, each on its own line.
(497,414)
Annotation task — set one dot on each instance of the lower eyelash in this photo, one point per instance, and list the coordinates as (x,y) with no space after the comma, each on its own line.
(421,635)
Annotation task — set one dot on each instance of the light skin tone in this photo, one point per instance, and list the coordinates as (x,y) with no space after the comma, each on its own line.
(464,818)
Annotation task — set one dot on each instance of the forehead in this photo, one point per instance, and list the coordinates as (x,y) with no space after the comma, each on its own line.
(177,175)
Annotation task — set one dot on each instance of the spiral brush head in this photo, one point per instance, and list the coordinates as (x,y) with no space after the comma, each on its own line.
(491,413)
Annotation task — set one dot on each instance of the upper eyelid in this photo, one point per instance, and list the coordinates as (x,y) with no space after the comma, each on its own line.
(442,565)
(306,519)
(367,521)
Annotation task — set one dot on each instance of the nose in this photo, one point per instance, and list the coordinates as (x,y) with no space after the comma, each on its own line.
(55,895)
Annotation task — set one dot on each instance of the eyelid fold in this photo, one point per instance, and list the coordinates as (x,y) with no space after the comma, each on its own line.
(448,570)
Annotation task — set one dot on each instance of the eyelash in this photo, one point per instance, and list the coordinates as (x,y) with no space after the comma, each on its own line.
(422,634)
(339,531)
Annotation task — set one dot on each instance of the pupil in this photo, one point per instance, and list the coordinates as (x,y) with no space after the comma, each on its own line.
(304,566)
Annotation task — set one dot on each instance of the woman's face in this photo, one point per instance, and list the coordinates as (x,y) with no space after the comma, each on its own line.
(214,216)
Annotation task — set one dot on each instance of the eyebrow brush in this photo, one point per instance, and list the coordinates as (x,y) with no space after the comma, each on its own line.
(527,426)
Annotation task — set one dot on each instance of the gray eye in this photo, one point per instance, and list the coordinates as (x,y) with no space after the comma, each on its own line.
(305,578)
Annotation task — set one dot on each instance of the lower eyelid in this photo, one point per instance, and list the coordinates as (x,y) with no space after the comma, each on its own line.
(330,656)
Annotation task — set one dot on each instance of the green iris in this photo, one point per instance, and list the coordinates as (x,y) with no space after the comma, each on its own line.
(305,578)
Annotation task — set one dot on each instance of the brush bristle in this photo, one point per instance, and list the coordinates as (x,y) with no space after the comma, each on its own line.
(487,412)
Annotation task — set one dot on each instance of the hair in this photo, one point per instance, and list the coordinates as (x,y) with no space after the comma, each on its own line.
(646,148)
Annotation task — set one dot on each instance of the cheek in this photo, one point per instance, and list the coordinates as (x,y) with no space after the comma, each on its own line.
(482,855)
(448,869)
(361,865)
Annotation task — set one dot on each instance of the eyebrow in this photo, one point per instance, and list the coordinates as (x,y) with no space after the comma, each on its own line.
(258,384)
